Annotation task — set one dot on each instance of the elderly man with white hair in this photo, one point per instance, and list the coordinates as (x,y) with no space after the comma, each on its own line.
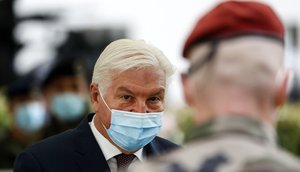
(127,94)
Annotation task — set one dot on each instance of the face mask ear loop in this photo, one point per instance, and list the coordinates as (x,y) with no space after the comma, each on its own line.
(104,100)
(105,105)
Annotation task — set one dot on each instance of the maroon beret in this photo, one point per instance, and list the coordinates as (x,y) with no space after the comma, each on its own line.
(234,18)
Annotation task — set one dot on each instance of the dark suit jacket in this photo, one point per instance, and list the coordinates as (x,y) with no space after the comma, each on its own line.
(75,151)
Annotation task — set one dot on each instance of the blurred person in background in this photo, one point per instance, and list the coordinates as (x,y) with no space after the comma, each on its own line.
(235,83)
(127,93)
(65,89)
(28,115)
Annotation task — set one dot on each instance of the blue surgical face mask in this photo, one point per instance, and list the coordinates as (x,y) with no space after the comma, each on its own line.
(30,117)
(131,130)
(68,107)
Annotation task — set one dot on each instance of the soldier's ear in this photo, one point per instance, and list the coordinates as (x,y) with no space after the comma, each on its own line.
(282,82)
(187,91)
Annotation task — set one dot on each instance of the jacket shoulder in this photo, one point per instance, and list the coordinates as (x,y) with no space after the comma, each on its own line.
(52,145)
(166,142)
(45,153)
(164,145)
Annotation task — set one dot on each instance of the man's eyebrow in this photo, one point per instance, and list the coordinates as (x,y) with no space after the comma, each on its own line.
(160,91)
(125,90)
(156,91)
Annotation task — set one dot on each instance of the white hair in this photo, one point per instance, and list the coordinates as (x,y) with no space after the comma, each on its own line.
(125,54)
(249,62)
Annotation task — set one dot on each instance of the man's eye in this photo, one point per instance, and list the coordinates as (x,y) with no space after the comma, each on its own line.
(154,99)
(126,97)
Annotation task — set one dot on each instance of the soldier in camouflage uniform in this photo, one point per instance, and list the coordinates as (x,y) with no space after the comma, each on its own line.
(235,83)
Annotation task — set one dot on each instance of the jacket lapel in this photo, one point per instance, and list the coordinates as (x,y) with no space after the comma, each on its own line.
(87,151)
(159,146)
(151,149)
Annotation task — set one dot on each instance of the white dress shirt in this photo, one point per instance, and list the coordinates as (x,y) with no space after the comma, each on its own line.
(109,150)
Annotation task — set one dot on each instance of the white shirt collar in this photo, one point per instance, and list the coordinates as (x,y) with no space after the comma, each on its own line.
(108,149)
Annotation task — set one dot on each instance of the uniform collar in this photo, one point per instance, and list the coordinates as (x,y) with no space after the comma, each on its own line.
(235,124)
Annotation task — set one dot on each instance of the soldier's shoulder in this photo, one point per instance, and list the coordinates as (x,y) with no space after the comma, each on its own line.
(276,158)
(271,164)
(228,156)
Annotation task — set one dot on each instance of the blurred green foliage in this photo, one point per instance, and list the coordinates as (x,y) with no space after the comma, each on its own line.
(288,127)
(4,117)
(185,121)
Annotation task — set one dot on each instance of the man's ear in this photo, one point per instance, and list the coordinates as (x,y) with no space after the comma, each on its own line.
(94,96)
(187,92)
(283,78)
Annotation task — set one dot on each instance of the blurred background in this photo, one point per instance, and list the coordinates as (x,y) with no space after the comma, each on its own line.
(43,43)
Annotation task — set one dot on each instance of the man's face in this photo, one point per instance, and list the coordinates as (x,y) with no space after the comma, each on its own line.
(65,84)
(133,90)
(23,109)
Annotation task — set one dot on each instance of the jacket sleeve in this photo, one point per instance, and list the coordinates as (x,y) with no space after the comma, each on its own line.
(26,162)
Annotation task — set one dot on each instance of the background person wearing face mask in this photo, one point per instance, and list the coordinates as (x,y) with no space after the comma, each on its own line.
(28,116)
(65,92)
(127,94)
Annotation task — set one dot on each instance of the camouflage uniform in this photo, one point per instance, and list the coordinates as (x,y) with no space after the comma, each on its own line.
(227,144)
